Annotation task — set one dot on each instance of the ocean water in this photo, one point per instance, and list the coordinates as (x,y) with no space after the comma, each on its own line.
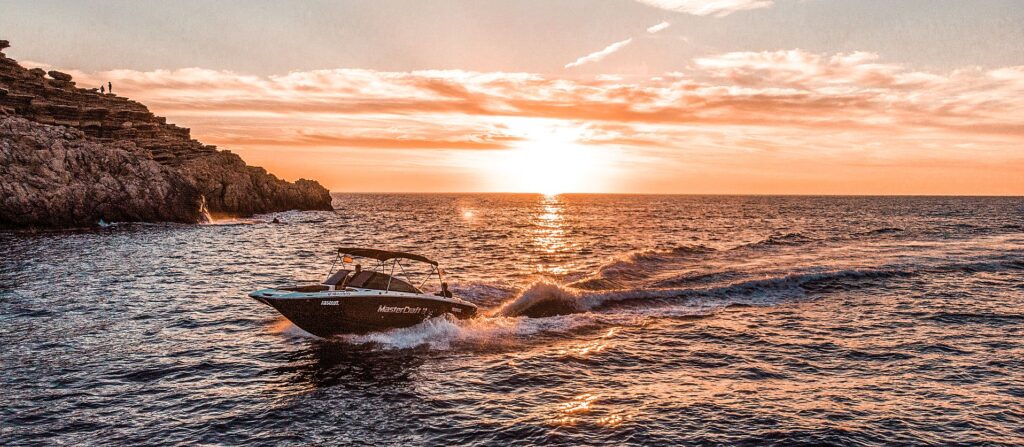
(687,320)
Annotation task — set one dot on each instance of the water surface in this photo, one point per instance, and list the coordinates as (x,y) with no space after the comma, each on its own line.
(694,320)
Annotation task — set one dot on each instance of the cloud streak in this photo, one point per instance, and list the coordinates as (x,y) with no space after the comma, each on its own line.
(717,8)
(659,27)
(600,55)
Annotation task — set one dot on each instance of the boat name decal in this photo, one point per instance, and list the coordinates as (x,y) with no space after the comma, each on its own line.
(328,303)
(402,310)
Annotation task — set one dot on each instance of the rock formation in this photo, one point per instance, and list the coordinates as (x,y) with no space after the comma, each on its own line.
(53,176)
(71,156)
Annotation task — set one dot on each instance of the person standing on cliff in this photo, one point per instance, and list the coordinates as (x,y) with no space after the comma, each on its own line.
(110,87)
(101,89)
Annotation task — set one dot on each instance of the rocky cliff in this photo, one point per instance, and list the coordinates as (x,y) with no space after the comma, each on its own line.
(71,156)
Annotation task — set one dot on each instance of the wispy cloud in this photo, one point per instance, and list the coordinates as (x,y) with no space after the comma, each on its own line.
(611,49)
(659,27)
(599,55)
(717,8)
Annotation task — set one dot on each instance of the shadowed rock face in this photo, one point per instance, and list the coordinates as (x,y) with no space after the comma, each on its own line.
(62,179)
(103,136)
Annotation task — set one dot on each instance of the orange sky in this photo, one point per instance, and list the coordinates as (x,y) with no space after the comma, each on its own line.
(788,122)
(765,121)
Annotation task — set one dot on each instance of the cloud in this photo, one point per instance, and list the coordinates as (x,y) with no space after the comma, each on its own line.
(399,133)
(844,123)
(379,142)
(717,8)
(599,55)
(659,27)
(610,49)
(792,89)
(791,111)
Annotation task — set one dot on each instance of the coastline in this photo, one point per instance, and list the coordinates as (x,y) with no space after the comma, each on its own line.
(74,156)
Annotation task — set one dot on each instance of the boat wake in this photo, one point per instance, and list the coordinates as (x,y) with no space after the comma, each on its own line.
(710,280)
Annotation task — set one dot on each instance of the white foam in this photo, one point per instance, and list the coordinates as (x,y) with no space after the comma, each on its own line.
(443,332)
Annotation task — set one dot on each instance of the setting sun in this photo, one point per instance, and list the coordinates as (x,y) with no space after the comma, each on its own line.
(550,159)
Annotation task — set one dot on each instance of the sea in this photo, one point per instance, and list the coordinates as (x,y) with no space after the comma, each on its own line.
(682,320)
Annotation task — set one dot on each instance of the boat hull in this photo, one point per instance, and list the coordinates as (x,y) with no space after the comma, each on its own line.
(325,316)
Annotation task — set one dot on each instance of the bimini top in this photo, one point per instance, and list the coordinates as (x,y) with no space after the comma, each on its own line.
(383,255)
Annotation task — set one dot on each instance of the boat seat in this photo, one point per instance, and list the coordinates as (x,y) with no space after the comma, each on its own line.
(337,279)
(359,280)
(380,281)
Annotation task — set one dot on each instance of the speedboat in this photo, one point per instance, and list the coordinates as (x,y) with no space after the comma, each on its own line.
(355,299)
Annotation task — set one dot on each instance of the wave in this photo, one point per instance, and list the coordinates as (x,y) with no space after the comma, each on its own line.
(639,265)
(785,239)
(796,238)
(879,231)
(694,278)
(484,294)
(987,318)
(544,299)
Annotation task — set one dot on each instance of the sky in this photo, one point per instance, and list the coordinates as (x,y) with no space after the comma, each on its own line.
(624,96)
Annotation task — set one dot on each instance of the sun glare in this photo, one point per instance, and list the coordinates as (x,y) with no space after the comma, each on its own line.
(550,160)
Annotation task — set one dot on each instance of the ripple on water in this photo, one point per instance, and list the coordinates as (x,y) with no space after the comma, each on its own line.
(661,320)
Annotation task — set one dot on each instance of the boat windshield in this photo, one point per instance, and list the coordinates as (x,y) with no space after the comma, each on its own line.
(380,281)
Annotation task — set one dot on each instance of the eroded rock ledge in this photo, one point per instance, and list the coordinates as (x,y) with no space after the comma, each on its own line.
(72,156)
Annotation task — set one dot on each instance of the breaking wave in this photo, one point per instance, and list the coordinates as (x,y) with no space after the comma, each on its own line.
(543,299)
(640,265)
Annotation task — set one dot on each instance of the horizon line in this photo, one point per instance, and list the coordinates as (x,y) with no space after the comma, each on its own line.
(681,194)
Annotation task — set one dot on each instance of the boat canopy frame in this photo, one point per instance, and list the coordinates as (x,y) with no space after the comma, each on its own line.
(383,256)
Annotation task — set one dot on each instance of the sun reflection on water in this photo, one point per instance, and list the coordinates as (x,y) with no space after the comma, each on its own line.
(580,404)
(584,410)
(551,234)
(279,325)
(583,350)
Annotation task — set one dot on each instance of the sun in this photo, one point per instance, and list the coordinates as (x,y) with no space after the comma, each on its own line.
(549,160)
(545,168)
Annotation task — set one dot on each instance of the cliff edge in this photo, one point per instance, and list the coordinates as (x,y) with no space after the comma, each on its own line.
(71,157)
